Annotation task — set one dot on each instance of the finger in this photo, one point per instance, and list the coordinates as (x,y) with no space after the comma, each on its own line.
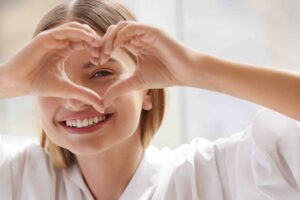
(122,37)
(102,52)
(84,94)
(61,44)
(78,45)
(132,31)
(72,34)
(94,61)
(75,46)
(109,38)
(135,46)
(121,87)
(85,27)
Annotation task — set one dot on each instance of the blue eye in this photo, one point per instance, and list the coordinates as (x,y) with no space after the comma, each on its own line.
(102,73)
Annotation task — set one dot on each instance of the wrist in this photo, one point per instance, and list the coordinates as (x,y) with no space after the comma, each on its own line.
(8,89)
(202,71)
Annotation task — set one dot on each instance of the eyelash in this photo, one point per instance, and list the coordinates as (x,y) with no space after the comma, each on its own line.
(107,73)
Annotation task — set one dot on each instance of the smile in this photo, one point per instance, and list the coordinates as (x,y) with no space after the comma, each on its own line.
(85,125)
(79,123)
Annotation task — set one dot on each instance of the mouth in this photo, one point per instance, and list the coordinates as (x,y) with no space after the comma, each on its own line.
(86,125)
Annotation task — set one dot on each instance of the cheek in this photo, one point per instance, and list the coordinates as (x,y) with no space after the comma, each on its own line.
(128,108)
(46,107)
(99,87)
(46,111)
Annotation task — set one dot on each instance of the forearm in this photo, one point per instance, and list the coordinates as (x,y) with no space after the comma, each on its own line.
(277,89)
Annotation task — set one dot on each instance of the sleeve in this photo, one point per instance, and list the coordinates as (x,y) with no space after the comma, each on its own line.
(264,161)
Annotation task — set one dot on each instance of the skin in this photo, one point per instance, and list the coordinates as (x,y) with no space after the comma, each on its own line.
(276,89)
(100,154)
(44,56)
(162,62)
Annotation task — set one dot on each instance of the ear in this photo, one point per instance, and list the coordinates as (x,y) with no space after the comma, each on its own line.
(148,100)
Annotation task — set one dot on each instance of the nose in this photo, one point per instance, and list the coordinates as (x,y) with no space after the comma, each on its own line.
(75,105)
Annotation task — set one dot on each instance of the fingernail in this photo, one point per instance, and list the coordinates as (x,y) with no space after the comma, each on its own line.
(101,108)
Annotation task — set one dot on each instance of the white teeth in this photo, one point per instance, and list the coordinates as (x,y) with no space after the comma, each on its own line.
(91,121)
(85,122)
(96,120)
(79,123)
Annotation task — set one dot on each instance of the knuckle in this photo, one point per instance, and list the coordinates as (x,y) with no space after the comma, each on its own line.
(68,29)
(132,25)
(155,30)
(118,36)
(122,23)
(74,23)
(111,27)
(41,35)
(87,27)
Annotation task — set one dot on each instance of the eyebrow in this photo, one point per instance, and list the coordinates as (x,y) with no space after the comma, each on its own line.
(89,64)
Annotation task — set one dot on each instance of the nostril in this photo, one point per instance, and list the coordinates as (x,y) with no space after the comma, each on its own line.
(76,105)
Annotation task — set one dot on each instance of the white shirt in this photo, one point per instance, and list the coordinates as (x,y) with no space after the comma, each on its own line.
(260,163)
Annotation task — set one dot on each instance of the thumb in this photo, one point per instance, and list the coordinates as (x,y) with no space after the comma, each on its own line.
(84,94)
(121,87)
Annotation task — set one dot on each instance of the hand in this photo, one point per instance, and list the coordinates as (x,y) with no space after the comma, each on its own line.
(38,69)
(161,60)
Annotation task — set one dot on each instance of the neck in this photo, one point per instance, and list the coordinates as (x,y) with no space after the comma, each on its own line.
(107,174)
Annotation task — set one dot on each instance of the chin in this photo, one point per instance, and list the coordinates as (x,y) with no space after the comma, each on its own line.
(88,149)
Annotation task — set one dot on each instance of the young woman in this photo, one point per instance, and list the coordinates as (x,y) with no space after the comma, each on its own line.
(99,78)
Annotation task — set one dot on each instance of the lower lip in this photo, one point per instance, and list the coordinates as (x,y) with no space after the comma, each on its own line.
(88,129)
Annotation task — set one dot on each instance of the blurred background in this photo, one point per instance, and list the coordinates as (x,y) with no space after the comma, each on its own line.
(260,32)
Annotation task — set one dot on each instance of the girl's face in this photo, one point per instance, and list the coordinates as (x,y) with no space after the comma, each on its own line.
(76,125)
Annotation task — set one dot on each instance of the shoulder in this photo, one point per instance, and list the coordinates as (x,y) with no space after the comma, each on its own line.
(26,171)
(242,164)
(271,128)
(267,129)
(186,172)
(21,152)
(24,161)
(264,158)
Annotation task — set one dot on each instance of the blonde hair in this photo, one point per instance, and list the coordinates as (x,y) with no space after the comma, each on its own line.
(99,14)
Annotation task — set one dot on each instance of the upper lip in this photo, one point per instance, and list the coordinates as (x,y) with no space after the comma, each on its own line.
(76,116)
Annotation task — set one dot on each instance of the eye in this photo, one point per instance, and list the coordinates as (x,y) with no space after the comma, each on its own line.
(101,73)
